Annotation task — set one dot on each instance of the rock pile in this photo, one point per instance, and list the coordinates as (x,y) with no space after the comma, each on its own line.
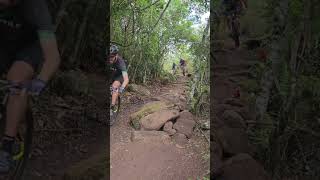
(160,120)
(232,153)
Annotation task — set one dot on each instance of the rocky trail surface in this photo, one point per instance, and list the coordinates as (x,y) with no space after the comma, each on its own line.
(155,137)
(232,153)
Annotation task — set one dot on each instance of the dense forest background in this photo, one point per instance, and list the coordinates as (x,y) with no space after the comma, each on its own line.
(153,35)
(286,86)
(82,31)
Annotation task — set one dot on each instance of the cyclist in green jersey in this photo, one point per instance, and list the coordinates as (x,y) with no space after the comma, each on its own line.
(120,77)
(29,55)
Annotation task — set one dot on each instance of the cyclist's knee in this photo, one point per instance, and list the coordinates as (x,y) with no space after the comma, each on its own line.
(116,84)
(20,72)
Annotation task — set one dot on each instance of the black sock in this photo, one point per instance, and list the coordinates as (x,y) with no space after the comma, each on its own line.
(7,143)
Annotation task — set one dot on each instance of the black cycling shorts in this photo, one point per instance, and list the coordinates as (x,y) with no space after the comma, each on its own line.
(118,78)
(30,54)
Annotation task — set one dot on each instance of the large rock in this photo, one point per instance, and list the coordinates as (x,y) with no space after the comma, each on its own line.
(141,90)
(234,102)
(243,167)
(150,136)
(180,139)
(185,116)
(233,140)
(218,109)
(168,128)
(233,119)
(147,109)
(216,153)
(185,124)
(157,119)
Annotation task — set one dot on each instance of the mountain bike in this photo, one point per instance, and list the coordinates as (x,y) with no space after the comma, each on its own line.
(24,137)
(114,113)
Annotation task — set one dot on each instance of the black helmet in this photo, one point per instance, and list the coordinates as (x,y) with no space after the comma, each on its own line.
(114,49)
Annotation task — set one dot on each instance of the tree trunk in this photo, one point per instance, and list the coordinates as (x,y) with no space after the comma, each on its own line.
(81,32)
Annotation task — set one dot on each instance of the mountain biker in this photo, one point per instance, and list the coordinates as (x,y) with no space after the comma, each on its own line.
(235,7)
(183,65)
(27,40)
(120,77)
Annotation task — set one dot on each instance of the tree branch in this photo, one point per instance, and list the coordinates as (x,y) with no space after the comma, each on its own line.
(142,9)
(155,25)
(122,45)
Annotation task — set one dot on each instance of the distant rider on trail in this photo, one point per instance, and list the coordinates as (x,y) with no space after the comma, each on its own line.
(120,77)
(183,65)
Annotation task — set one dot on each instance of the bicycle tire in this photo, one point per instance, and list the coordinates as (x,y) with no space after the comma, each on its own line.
(17,172)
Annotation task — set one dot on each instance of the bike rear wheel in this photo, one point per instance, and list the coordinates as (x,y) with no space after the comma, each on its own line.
(24,141)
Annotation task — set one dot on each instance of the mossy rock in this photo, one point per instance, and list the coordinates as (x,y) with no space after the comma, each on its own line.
(90,169)
(147,109)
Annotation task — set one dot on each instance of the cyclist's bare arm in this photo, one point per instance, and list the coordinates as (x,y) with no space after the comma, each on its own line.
(37,14)
(51,58)
(125,79)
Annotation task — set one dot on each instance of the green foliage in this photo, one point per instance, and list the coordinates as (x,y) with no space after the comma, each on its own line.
(81,39)
(287,140)
(146,37)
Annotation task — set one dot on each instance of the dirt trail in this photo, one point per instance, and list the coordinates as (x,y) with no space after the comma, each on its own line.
(232,152)
(54,152)
(154,160)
